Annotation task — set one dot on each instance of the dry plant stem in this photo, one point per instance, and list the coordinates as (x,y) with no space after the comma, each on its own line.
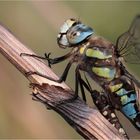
(86,121)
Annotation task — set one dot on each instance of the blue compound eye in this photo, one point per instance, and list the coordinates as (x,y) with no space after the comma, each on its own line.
(78,33)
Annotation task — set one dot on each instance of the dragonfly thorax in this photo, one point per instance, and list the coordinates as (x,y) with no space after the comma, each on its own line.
(97,58)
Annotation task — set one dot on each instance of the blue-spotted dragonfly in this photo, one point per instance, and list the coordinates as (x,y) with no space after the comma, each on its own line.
(101,60)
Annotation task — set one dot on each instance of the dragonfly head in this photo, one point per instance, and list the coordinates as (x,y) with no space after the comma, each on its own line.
(73,32)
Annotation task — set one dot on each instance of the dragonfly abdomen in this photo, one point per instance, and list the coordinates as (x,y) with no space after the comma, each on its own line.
(127,101)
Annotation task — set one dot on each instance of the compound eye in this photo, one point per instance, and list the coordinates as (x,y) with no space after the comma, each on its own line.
(78,33)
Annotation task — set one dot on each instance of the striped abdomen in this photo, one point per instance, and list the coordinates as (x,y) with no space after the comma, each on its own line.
(127,97)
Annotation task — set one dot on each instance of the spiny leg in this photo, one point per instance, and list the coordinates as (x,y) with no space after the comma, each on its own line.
(79,81)
(33,55)
(75,96)
(61,79)
(47,57)
(82,90)
(57,59)
(51,61)
(76,83)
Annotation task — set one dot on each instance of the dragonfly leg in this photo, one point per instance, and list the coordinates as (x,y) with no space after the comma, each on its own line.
(47,57)
(77,82)
(61,79)
(82,90)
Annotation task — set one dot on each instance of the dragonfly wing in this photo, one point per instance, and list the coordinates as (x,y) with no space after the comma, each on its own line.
(128,44)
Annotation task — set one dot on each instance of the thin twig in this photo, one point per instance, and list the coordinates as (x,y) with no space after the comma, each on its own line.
(87,121)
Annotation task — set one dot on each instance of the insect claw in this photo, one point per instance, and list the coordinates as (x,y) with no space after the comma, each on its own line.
(48,58)
(49,54)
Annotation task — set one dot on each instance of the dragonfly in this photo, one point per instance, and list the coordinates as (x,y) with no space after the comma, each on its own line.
(103,62)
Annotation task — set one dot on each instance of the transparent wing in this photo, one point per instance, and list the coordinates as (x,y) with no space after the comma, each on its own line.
(128,47)
(128,44)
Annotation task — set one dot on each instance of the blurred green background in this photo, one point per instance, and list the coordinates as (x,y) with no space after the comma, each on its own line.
(37,24)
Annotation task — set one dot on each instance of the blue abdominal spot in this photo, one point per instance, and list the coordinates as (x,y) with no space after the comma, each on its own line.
(126,99)
(121,92)
(129,110)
